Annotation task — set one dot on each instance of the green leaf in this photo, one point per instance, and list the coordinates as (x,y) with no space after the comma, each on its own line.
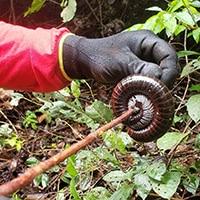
(154,8)
(35,7)
(170,23)
(37,180)
(190,67)
(70,168)
(70,110)
(196,3)
(196,35)
(97,193)
(170,139)
(30,120)
(32,161)
(180,118)
(168,186)
(143,185)
(69,11)
(115,177)
(44,180)
(5,130)
(16,97)
(185,18)
(175,5)
(99,111)
(14,141)
(193,107)
(72,189)
(66,178)
(86,181)
(179,28)
(187,53)
(195,88)
(14,197)
(104,154)
(191,183)
(197,141)
(123,193)
(86,160)
(156,170)
(60,195)
(75,88)
(117,141)
(155,23)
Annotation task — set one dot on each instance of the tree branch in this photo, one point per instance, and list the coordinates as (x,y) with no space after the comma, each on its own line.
(28,176)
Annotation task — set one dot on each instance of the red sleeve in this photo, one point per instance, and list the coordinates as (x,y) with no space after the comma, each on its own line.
(29,58)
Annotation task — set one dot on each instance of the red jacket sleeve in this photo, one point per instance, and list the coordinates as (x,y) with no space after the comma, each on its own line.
(29,58)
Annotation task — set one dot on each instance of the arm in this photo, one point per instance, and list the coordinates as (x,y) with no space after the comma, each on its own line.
(45,60)
(29,59)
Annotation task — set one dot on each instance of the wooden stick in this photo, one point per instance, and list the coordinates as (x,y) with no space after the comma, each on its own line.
(28,176)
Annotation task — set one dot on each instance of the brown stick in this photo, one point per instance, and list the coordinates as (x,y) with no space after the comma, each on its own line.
(28,176)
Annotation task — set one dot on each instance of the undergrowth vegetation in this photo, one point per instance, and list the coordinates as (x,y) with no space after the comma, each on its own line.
(119,168)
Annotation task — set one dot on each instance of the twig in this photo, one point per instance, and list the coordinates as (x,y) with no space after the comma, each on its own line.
(88,85)
(172,151)
(92,10)
(28,176)
(11,124)
(13,12)
(101,18)
(184,95)
(188,77)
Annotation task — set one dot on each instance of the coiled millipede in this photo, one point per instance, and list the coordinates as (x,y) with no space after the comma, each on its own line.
(152,104)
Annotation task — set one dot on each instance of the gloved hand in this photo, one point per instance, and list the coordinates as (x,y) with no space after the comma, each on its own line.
(110,59)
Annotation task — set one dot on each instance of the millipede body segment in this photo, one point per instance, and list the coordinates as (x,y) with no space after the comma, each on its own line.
(152,103)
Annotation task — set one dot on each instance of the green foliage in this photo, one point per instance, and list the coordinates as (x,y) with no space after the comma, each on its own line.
(97,193)
(15,197)
(191,67)
(191,183)
(35,7)
(195,87)
(60,195)
(179,16)
(193,107)
(14,141)
(117,140)
(123,192)
(43,179)
(167,187)
(144,174)
(197,141)
(9,138)
(30,120)
(68,8)
(60,105)
(169,140)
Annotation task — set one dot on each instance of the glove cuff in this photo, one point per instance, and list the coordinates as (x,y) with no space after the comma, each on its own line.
(75,57)
(61,56)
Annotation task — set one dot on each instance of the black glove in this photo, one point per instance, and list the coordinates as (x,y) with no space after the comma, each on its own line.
(110,59)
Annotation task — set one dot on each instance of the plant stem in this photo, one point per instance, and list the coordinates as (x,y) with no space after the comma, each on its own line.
(28,176)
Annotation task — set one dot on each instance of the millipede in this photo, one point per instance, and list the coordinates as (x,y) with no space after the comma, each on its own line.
(152,104)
